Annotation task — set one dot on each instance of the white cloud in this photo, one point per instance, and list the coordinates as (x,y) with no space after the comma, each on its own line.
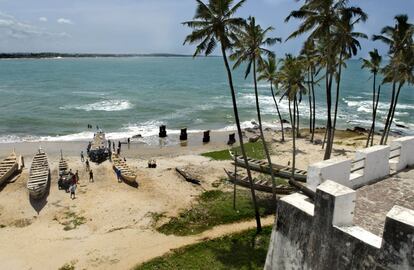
(43,19)
(11,27)
(64,21)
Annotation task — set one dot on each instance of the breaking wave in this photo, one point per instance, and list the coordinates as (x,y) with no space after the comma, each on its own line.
(104,105)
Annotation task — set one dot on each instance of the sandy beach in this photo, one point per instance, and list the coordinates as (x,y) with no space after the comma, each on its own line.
(109,225)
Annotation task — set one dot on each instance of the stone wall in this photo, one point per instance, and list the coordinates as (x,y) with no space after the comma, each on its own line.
(321,234)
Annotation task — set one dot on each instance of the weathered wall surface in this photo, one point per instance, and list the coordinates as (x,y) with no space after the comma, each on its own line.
(321,235)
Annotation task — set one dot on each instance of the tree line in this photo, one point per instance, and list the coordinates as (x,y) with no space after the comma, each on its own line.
(331,40)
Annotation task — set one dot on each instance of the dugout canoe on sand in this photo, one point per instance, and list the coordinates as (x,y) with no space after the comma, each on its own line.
(8,167)
(259,185)
(126,173)
(263,167)
(39,175)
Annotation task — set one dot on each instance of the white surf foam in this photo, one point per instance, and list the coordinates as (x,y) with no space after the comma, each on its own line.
(104,105)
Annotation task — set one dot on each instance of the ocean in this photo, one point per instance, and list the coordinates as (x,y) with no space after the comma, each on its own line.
(56,99)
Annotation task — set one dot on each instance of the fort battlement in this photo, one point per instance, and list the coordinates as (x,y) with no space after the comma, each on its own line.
(368,166)
(322,234)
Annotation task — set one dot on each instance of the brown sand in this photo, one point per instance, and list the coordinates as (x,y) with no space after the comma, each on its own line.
(118,228)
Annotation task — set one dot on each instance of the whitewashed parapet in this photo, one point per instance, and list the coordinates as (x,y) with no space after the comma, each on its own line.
(376,164)
(369,165)
(321,235)
(405,146)
(338,169)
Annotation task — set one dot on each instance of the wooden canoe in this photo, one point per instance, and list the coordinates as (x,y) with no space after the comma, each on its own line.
(126,173)
(38,176)
(263,167)
(8,167)
(259,185)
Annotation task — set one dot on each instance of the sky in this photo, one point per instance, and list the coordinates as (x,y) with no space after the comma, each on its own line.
(152,26)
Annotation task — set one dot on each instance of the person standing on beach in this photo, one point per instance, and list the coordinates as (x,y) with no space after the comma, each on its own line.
(91,176)
(87,165)
(72,189)
(118,175)
(77,177)
(82,157)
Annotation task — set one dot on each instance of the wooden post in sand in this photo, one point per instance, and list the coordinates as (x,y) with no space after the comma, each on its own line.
(206,136)
(232,139)
(183,135)
(163,131)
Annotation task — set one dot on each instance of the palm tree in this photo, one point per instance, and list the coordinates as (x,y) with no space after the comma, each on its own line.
(268,72)
(348,43)
(323,19)
(214,23)
(291,78)
(400,68)
(373,64)
(250,42)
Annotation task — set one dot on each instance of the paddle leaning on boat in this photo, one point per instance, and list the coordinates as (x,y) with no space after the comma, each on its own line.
(39,175)
(120,166)
(9,167)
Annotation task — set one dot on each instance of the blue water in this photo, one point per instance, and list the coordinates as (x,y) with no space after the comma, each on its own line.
(55,99)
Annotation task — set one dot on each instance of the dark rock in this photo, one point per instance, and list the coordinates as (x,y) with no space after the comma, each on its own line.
(359,129)
(254,139)
(268,129)
(137,136)
(252,130)
(317,141)
(401,126)
(284,121)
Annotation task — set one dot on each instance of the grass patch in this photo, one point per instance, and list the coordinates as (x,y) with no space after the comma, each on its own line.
(67,266)
(214,208)
(254,150)
(244,250)
(71,220)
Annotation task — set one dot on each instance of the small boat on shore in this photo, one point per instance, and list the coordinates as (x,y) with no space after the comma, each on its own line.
(97,150)
(39,175)
(259,185)
(263,167)
(8,167)
(127,174)
(65,176)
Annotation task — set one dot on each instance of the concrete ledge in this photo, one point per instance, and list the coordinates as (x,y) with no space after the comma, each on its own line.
(301,202)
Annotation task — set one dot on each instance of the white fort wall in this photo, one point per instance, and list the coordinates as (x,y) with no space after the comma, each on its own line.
(321,235)
(370,164)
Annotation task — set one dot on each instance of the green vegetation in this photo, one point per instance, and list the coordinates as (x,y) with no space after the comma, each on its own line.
(67,266)
(72,221)
(253,150)
(214,208)
(245,250)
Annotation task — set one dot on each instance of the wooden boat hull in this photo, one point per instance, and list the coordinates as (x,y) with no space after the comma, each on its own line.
(278,170)
(8,167)
(98,151)
(126,173)
(264,186)
(39,176)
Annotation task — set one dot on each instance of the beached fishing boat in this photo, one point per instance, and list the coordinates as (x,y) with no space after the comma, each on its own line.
(263,167)
(38,176)
(126,173)
(97,149)
(8,167)
(259,185)
(65,176)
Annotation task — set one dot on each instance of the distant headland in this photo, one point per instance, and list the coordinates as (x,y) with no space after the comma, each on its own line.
(83,55)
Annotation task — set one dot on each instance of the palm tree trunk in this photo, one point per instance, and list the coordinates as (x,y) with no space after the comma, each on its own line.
(338,83)
(329,78)
(278,112)
(393,112)
(297,122)
(314,105)
(310,104)
(375,115)
(239,131)
(387,122)
(294,139)
(370,133)
(259,118)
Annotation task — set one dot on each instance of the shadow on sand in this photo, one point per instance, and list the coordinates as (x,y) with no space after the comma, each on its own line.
(134,184)
(39,204)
